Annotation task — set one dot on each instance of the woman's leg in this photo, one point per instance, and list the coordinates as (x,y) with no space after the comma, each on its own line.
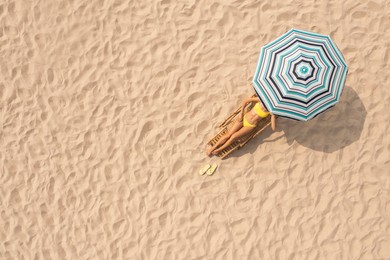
(237,126)
(243,131)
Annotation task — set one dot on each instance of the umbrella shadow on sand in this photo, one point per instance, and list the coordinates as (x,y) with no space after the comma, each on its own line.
(330,131)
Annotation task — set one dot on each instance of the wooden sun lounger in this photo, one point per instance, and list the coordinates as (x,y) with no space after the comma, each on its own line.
(229,122)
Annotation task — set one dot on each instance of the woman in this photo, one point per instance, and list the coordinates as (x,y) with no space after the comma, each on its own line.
(244,125)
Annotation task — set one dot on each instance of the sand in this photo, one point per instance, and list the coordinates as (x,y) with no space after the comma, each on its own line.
(106,107)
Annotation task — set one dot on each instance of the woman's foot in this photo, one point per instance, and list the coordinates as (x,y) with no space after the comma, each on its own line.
(215,152)
(209,151)
(212,149)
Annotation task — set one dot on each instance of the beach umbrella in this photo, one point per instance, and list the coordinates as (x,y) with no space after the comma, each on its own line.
(300,74)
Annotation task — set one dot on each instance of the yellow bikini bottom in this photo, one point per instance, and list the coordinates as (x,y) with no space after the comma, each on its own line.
(246,123)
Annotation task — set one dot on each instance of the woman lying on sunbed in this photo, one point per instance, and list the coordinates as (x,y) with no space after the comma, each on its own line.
(244,125)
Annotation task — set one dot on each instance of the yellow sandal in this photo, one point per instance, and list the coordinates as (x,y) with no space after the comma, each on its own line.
(204,169)
(212,169)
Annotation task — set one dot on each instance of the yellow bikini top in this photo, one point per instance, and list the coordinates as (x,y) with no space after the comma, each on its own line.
(260,112)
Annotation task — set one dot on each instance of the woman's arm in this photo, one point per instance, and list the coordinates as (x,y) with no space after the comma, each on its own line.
(246,101)
(273,122)
(254,99)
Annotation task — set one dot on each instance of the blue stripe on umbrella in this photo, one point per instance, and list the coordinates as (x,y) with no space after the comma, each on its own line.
(284,94)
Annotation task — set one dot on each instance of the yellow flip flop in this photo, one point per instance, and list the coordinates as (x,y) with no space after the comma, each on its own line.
(212,169)
(204,169)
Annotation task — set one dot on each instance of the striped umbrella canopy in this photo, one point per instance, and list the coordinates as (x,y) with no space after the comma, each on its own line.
(300,74)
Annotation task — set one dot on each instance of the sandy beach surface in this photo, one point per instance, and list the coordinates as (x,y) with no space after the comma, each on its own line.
(106,107)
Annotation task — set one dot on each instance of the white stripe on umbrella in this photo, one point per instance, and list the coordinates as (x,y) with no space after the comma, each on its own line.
(286,91)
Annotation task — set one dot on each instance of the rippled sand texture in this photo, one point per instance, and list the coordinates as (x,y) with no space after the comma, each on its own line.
(106,107)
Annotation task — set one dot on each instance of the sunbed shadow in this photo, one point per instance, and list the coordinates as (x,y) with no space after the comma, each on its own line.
(332,130)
